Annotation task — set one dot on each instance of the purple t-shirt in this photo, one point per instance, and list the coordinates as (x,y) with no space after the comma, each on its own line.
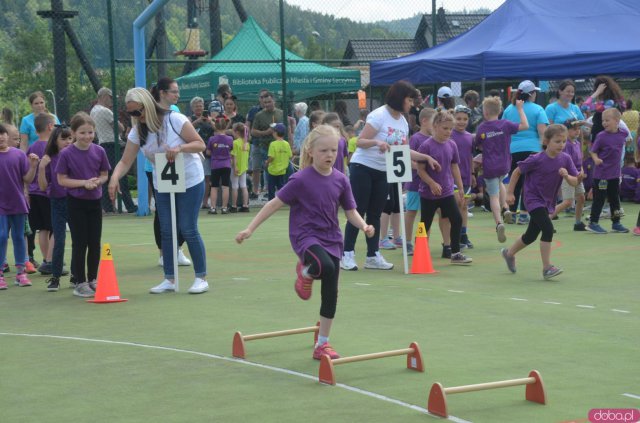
(414,143)
(54,189)
(343,152)
(574,149)
(464,142)
(495,139)
(13,166)
(82,165)
(543,180)
(444,153)
(220,147)
(37,148)
(608,146)
(630,184)
(313,217)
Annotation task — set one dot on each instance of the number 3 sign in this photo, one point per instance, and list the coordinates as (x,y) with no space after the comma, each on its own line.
(399,164)
(170,175)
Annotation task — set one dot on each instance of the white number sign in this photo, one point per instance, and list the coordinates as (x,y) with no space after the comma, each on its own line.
(170,175)
(399,164)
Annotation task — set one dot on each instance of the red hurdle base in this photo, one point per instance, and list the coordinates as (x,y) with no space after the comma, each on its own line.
(534,391)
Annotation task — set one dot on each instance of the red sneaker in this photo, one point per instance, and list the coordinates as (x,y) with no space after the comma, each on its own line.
(29,268)
(303,284)
(325,349)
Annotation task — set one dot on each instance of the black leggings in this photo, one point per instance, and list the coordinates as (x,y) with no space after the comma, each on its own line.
(448,208)
(325,267)
(85,223)
(370,190)
(539,222)
(392,204)
(611,193)
(156,220)
(517,191)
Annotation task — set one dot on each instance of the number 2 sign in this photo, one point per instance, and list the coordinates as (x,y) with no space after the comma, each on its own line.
(170,175)
(399,164)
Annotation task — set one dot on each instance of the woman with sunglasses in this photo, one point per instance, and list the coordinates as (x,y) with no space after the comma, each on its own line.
(157,130)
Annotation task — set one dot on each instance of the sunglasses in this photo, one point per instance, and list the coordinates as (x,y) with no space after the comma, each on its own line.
(135,113)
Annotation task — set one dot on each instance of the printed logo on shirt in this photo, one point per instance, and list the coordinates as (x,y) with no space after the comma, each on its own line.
(492,134)
(396,136)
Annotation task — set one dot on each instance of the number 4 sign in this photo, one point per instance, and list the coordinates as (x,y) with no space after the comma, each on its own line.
(170,175)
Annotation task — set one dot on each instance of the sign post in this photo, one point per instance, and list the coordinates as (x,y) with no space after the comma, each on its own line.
(170,179)
(399,170)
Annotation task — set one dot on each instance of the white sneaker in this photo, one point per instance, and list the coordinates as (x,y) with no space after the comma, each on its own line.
(348,261)
(160,262)
(165,286)
(377,262)
(83,290)
(199,286)
(182,259)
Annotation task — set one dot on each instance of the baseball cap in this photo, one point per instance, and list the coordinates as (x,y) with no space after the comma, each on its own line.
(572,123)
(279,128)
(445,92)
(527,86)
(216,107)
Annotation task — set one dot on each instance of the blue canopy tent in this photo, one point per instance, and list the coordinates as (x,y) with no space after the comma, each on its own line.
(542,39)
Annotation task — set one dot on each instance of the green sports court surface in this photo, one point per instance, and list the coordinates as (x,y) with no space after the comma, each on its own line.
(167,358)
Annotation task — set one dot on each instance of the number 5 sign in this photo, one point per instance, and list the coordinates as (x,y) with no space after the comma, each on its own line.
(399,164)
(170,175)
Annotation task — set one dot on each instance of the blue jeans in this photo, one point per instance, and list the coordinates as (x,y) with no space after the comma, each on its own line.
(275,182)
(15,224)
(187,208)
(59,216)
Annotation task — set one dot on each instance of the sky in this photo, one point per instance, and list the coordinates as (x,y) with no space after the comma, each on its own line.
(375,10)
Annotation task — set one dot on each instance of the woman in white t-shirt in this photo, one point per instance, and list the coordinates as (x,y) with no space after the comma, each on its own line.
(158,130)
(386,126)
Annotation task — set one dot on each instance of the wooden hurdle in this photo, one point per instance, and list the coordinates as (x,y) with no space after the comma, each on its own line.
(534,391)
(238,349)
(414,361)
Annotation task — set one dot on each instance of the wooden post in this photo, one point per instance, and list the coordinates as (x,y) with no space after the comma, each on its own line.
(238,348)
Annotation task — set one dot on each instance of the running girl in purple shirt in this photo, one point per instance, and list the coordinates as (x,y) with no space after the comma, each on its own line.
(60,139)
(436,189)
(314,195)
(83,168)
(544,172)
(15,170)
(464,142)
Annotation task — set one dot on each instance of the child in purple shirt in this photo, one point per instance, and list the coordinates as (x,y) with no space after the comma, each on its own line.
(83,168)
(15,170)
(219,149)
(436,189)
(493,137)
(573,148)
(544,172)
(333,119)
(606,152)
(630,184)
(60,139)
(314,195)
(413,196)
(464,142)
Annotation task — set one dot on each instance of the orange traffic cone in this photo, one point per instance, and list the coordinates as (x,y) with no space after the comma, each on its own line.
(421,255)
(107,285)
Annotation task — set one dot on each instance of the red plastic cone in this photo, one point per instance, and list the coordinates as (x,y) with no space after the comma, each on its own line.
(421,263)
(107,285)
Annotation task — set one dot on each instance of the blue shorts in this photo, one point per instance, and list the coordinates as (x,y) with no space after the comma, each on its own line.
(493,185)
(413,201)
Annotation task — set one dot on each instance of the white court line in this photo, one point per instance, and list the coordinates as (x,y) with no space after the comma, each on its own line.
(519,299)
(620,311)
(240,279)
(362,284)
(632,396)
(239,361)
(552,302)
(455,291)
(585,306)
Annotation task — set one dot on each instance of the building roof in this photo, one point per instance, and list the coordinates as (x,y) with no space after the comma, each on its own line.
(379,48)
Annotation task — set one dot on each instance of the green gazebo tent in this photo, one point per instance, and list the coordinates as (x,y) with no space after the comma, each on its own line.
(304,80)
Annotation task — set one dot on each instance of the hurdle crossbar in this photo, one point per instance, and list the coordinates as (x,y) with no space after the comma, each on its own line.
(326,372)
(534,391)
(238,349)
